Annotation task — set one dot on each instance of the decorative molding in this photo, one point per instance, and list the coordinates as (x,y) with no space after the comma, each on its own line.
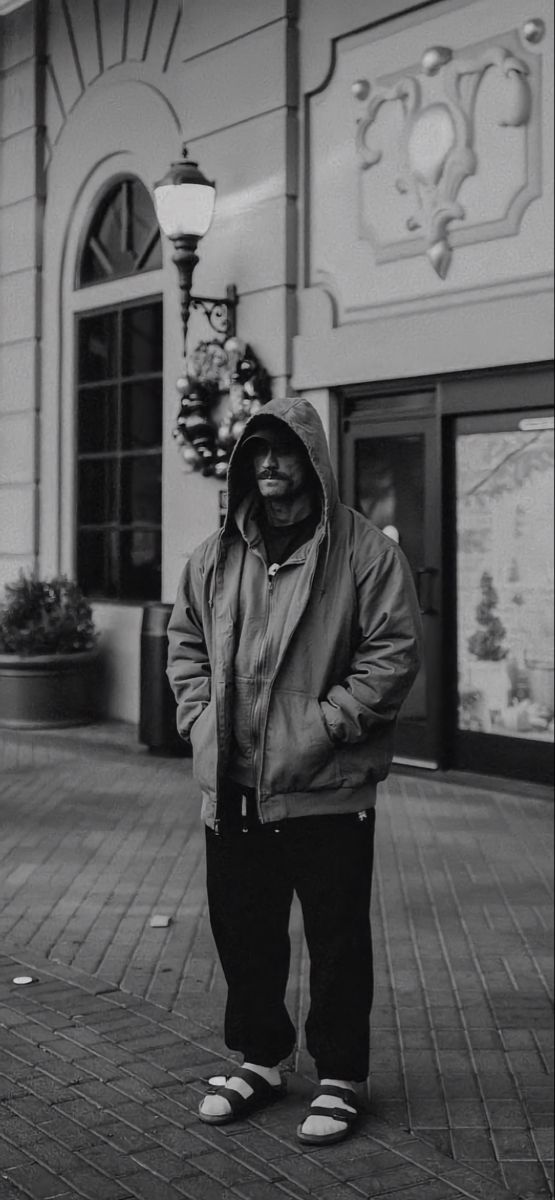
(330,286)
(436,148)
(484,331)
(145,31)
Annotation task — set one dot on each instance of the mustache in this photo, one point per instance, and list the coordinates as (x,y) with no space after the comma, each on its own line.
(268,474)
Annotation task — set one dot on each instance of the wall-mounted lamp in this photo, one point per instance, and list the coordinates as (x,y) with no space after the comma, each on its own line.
(185,202)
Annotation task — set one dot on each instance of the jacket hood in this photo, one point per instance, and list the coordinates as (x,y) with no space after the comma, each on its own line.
(301,418)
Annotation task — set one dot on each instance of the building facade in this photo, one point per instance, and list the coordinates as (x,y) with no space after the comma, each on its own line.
(384,208)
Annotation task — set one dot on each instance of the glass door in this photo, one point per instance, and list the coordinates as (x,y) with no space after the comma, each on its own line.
(390,472)
(504,593)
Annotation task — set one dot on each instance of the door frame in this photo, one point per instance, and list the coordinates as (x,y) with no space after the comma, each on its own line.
(446,397)
(495,753)
(412,413)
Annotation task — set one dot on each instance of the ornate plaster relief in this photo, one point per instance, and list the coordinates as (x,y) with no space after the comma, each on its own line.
(429,179)
(436,145)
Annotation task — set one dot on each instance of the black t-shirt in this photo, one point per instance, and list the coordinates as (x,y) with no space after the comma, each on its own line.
(281,541)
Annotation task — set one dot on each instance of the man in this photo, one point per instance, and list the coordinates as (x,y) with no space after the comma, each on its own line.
(292,644)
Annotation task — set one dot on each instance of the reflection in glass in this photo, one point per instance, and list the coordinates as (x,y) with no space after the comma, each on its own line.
(389,490)
(141,489)
(97,347)
(141,415)
(97,491)
(142,339)
(97,419)
(119,438)
(505,583)
(141,552)
(97,562)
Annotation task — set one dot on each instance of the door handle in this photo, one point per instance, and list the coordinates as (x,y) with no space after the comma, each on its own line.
(425,589)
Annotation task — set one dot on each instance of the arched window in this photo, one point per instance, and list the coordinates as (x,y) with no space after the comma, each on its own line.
(123,237)
(119,405)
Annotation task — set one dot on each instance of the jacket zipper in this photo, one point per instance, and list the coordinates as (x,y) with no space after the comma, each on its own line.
(272,572)
(262,739)
(220,561)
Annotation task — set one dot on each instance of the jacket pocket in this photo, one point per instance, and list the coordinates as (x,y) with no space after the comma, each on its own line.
(299,754)
(204,747)
(366,761)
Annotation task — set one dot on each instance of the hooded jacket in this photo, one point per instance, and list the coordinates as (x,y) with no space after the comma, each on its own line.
(334,637)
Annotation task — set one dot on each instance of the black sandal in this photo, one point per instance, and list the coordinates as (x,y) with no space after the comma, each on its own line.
(347,1115)
(263,1093)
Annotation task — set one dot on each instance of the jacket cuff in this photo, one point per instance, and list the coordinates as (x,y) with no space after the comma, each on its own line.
(328,713)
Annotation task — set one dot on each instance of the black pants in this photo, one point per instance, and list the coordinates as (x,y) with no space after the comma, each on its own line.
(251,878)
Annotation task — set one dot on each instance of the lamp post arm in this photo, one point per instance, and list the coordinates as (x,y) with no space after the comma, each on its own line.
(185,259)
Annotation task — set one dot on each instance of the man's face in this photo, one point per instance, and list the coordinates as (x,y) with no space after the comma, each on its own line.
(280,467)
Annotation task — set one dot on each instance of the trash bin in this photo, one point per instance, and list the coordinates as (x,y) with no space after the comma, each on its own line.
(157,728)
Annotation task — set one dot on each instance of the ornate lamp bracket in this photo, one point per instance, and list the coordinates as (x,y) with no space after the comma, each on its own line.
(219,312)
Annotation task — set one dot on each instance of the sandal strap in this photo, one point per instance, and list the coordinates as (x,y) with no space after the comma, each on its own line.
(261,1089)
(257,1082)
(346,1094)
(336,1114)
(235,1099)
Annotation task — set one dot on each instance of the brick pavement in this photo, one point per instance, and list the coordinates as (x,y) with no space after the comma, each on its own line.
(98,1098)
(97,835)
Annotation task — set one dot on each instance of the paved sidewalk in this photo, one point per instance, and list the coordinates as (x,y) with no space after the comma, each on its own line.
(99,1095)
(97,835)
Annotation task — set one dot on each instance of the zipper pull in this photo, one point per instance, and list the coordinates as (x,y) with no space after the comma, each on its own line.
(244,814)
(272,572)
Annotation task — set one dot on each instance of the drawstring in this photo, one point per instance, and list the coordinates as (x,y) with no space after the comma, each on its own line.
(219,558)
(327,539)
(212,591)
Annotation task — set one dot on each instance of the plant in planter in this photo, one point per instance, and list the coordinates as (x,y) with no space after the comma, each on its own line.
(48,652)
(487,642)
(489,672)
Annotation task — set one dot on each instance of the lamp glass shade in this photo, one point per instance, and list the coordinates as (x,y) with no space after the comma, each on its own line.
(184,208)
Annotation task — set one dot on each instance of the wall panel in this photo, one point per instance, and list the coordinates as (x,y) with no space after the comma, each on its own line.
(18,375)
(18,306)
(18,166)
(18,447)
(19,249)
(17,98)
(259,59)
(210,25)
(17,520)
(17,42)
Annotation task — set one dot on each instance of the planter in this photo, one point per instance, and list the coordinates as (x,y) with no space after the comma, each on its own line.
(48,690)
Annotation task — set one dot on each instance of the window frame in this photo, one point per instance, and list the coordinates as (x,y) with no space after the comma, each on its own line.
(115,181)
(81,313)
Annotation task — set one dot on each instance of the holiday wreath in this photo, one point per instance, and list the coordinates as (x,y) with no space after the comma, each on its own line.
(222,386)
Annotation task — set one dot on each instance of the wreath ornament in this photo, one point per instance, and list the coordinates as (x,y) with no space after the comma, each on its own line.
(223,385)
